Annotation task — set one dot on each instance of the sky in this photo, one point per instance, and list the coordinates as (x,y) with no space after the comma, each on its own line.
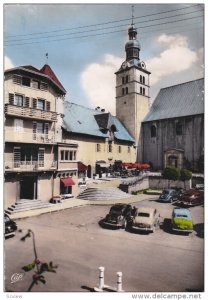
(86,44)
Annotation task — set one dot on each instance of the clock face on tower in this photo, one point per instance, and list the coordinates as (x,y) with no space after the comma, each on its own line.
(143,65)
(124,65)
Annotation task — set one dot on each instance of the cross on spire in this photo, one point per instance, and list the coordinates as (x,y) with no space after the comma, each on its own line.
(132,10)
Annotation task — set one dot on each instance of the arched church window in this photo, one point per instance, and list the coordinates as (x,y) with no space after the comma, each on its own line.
(141,78)
(179,128)
(127,90)
(153,131)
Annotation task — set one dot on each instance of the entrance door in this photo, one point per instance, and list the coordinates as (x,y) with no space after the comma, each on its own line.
(28,188)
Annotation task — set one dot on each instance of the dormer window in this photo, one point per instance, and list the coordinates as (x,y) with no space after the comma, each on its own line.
(153,131)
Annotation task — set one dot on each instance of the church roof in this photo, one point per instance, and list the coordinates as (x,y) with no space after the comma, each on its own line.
(185,99)
(83,120)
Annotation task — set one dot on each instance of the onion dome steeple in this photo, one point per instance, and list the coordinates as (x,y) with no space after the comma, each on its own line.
(132,47)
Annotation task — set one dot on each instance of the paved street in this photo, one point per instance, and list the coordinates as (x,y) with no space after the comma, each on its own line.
(74,240)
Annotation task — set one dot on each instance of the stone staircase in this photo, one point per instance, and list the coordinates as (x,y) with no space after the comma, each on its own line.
(107,193)
(25,204)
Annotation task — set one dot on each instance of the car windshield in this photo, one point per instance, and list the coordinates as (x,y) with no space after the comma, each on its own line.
(142,214)
(116,209)
(165,192)
(182,216)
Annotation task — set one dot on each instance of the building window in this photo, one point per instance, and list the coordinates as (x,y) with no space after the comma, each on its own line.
(127,90)
(40,127)
(67,155)
(123,91)
(140,90)
(127,79)
(110,148)
(36,84)
(123,80)
(143,91)
(143,80)
(26,81)
(18,100)
(153,130)
(179,128)
(41,104)
(119,149)
(98,147)
(62,154)
(129,149)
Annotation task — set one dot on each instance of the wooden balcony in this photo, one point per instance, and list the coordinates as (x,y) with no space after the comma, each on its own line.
(29,137)
(31,113)
(30,166)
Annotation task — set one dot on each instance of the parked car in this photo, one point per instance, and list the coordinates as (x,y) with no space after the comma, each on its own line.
(118,216)
(191,198)
(170,195)
(145,219)
(182,220)
(10,226)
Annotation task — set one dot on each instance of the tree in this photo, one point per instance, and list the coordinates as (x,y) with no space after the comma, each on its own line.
(185,175)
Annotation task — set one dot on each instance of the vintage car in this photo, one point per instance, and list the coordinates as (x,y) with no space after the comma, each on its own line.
(170,195)
(145,219)
(182,220)
(191,198)
(118,216)
(10,226)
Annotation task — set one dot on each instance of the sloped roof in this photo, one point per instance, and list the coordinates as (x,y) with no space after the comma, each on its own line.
(83,120)
(185,99)
(45,71)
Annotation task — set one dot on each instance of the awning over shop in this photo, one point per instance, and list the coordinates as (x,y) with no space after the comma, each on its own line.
(67,181)
(81,167)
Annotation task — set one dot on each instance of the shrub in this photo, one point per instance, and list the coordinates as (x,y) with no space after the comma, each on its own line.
(171,173)
(185,174)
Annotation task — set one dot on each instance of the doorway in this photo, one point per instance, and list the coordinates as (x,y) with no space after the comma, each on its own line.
(28,187)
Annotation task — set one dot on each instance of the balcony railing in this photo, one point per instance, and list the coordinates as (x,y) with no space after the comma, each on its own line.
(30,166)
(32,113)
(29,137)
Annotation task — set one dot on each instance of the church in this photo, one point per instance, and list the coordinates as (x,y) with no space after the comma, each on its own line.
(170,132)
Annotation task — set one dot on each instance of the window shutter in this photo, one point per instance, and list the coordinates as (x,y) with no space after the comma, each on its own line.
(46,128)
(27,102)
(43,86)
(17,79)
(34,103)
(34,127)
(11,99)
(16,156)
(48,105)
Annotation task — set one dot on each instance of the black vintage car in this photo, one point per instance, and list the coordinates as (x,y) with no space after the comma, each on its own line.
(9,226)
(118,216)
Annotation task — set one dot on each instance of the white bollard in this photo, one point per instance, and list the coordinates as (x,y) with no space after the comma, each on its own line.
(101,277)
(119,282)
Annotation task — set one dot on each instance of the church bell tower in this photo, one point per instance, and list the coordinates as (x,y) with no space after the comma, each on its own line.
(132,90)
